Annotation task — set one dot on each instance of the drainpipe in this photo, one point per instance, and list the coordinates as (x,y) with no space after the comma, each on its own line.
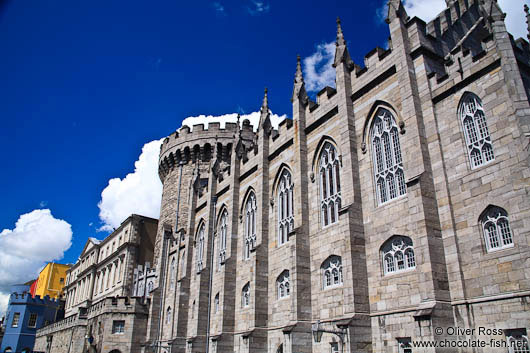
(212,255)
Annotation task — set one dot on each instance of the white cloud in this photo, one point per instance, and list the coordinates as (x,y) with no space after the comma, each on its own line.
(429,9)
(37,238)
(318,69)
(140,192)
(258,8)
(231,118)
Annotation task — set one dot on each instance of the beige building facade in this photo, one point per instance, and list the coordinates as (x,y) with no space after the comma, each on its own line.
(391,211)
(102,312)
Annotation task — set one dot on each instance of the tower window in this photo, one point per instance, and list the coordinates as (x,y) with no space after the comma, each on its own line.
(285,207)
(477,136)
(330,192)
(332,272)
(222,232)
(387,159)
(283,285)
(200,248)
(245,295)
(250,225)
(496,228)
(32,320)
(118,326)
(398,255)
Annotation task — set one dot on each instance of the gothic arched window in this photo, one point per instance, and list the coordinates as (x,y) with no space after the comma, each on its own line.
(478,139)
(250,225)
(330,194)
(496,228)
(245,295)
(168,315)
(216,303)
(397,254)
(285,207)
(200,248)
(172,273)
(387,159)
(332,272)
(283,285)
(222,232)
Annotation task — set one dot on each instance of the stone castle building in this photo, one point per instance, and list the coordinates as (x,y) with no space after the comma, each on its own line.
(396,203)
(393,209)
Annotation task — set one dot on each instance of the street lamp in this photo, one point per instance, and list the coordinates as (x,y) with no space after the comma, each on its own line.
(317,331)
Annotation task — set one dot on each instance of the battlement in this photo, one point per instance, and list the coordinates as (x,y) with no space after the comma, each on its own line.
(200,143)
(26,298)
(64,324)
(117,304)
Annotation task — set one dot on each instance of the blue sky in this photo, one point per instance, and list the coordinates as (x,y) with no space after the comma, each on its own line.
(86,84)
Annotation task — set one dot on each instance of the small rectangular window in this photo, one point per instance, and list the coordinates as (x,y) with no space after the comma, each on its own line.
(405,345)
(517,340)
(16,318)
(32,320)
(334,347)
(118,326)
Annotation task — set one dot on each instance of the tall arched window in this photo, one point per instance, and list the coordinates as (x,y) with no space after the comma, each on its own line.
(250,225)
(285,207)
(200,248)
(397,254)
(216,303)
(283,285)
(332,272)
(478,139)
(172,273)
(222,232)
(168,315)
(245,295)
(496,228)
(330,195)
(387,159)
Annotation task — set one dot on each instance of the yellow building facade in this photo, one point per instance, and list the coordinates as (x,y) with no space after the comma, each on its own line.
(51,280)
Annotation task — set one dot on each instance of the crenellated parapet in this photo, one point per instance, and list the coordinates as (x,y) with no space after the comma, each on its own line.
(26,298)
(200,144)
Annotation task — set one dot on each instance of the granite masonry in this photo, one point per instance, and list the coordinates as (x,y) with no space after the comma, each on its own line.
(393,210)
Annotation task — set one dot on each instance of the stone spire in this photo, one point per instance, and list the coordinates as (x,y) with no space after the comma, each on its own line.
(264,119)
(299,92)
(527,20)
(265,104)
(298,77)
(341,52)
(340,35)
